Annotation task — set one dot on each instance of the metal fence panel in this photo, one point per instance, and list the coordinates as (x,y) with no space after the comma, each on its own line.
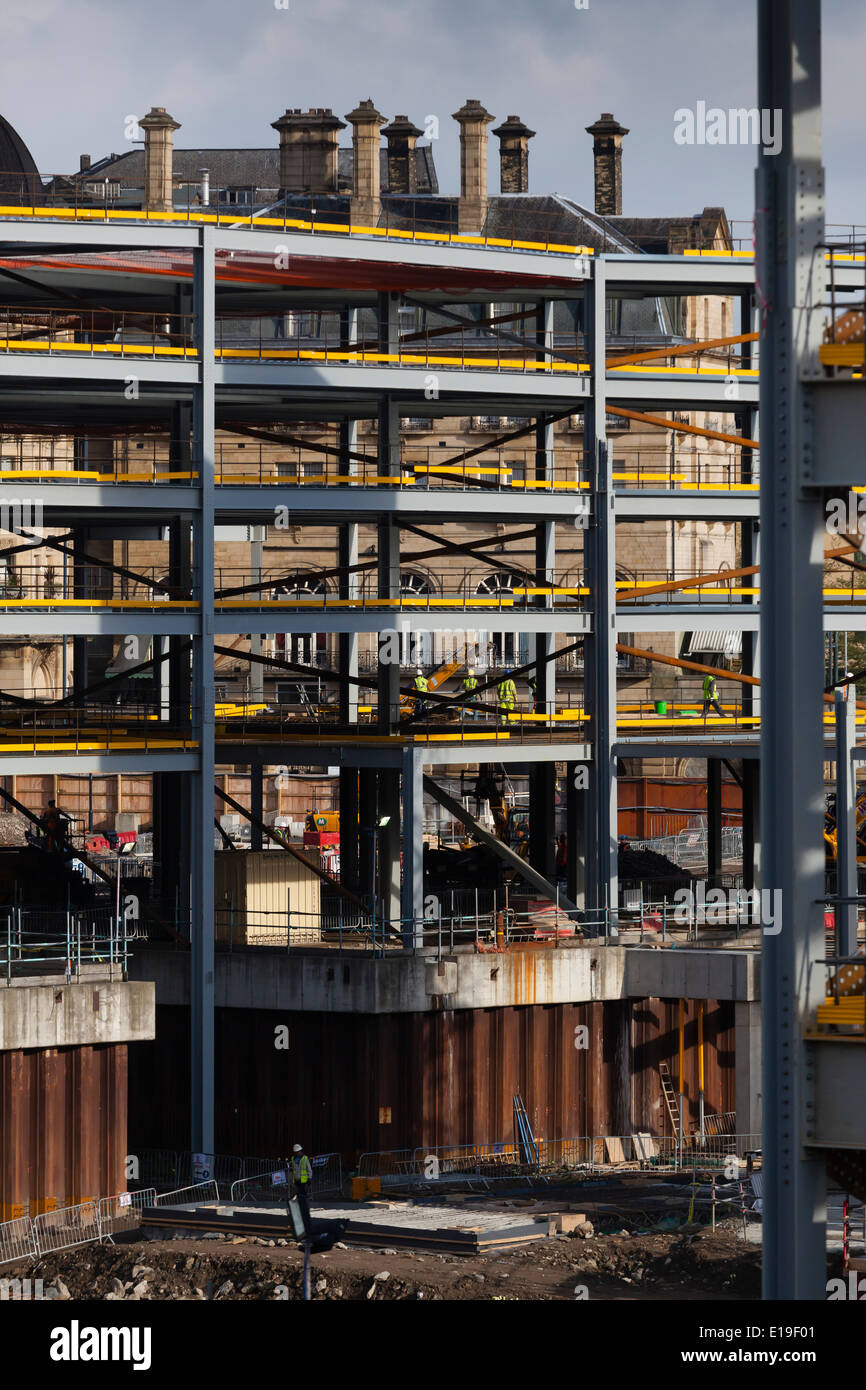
(385,1163)
(66,1227)
(17,1240)
(123,1211)
(198,1192)
(327,1174)
(261,1187)
(224,1169)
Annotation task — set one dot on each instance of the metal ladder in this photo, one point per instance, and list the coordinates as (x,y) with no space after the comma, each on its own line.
(670,1098)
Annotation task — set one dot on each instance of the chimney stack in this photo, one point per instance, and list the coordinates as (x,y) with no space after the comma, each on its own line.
(402,137)
(514,138)
(366,203)
(83,162)
(308,150)
(159,128)
(607,136)
(474,121)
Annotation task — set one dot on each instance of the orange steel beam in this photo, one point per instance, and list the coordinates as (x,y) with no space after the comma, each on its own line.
(697,581)
(679,428)
(699,666)
(686,350)
(687,665)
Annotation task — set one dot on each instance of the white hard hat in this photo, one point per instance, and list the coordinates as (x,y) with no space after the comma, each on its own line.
(297,1149)
(419,672)
(472,670)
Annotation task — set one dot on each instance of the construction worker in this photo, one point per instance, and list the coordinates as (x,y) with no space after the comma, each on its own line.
(532,682)
(420,684)
(302,1176)
(507,692)
(469,687)
(561,856)
(55,824)
(711,696)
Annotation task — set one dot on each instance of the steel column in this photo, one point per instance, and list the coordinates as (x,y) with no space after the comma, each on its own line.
(846,819)
(791,273)
(600,647)
(714,821)
(412,901)
(202,827)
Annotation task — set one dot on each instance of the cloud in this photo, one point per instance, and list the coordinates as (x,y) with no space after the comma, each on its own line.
(225,69)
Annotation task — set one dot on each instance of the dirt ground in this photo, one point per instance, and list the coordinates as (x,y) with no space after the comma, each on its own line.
(687,1264)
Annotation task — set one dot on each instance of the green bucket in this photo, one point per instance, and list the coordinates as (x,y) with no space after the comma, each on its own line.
(661,706)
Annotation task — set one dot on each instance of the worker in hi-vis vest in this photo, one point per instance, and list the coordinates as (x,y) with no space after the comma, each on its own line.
(302,1174)
(420,684)
(469,687)
(507,692)
(711,695)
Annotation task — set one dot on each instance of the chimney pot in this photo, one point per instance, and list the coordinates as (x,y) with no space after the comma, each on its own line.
(402,137)
(159,128)
(607,136)
(308,150)
(514,138)
(473,120)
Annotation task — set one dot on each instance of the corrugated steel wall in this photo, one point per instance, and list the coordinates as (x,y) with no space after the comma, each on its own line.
(655,806)
(63,1115)
(352,1082)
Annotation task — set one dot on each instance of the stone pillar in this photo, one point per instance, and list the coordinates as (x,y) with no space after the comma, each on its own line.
(514,138)
(159,128)
(607,136)
(366,124)
(473,120)
(402,137)
(308,150)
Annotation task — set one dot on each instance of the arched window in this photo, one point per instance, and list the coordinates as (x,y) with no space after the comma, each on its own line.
(307,648)
(502,648)
(416,648)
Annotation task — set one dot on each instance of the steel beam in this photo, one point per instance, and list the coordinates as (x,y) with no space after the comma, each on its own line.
(602,888)
(790,231)
(412,899)
(502,851)
(846,820)
(202,1080)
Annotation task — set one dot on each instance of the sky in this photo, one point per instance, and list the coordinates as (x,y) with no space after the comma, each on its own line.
(75,70)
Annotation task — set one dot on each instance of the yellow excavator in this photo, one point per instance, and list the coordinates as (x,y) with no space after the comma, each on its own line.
(830,831)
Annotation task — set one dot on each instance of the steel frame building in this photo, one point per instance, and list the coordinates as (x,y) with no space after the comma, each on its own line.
(87,390)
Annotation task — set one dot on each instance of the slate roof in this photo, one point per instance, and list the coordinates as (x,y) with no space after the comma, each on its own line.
(237,168)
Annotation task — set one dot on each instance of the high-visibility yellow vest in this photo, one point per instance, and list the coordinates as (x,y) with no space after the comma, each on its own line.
(507,690)
(302,1169)
(421,683)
